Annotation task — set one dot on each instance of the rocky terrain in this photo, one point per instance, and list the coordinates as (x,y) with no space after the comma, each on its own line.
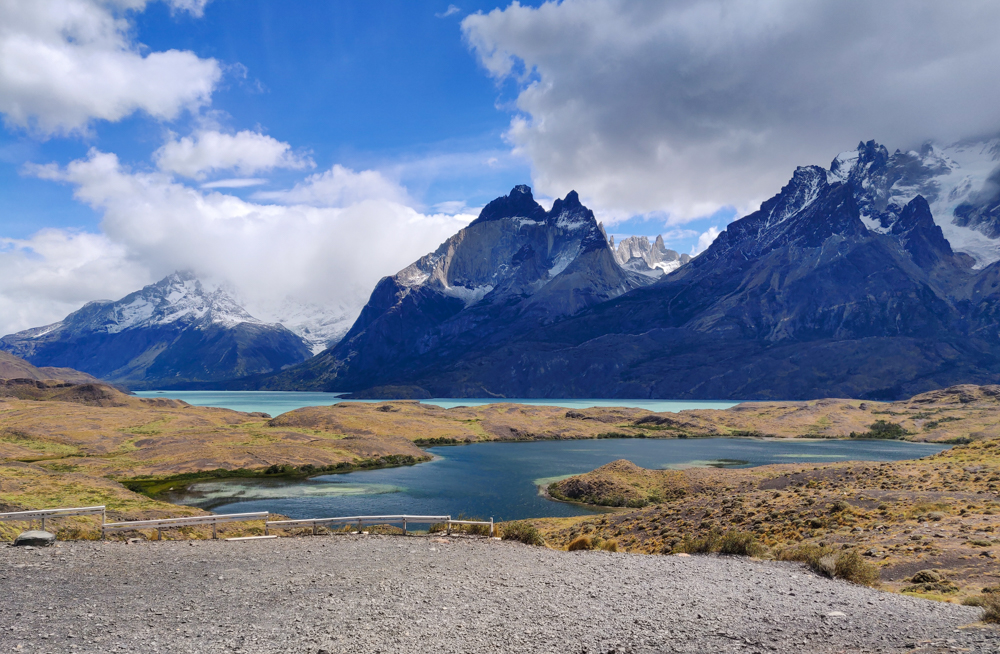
(391,594)
(168,333)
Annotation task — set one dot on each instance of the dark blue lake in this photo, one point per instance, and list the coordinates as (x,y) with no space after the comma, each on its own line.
(500,480)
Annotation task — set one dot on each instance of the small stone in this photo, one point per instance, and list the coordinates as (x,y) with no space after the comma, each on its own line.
(35,538)
(836,614)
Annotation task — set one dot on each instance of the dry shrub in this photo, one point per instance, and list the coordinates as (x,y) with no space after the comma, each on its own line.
(580,543)
(848,565)
(522,532)
(852,567)
(991,608)
(732,542)
(609,546)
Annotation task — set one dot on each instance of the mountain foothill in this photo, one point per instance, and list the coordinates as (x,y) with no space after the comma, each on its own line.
(876,278)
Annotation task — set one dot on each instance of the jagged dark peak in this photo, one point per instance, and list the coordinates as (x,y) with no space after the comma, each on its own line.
(920,235)
(806,212)
(570,203)
(518,203)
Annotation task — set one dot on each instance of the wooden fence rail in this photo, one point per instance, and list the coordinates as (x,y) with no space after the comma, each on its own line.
(30,516)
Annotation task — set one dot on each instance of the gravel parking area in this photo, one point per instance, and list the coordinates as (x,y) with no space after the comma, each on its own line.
(406,594)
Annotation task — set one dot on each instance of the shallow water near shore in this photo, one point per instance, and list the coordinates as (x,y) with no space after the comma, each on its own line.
(278,402)
(501,480)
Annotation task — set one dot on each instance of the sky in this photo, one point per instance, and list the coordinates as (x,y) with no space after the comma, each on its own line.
(299,151)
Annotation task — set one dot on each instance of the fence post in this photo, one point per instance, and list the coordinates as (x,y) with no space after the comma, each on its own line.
(404,525)
(359,526)
(159,534)
(215,534)
(314,528)
(43,523)
(491,526)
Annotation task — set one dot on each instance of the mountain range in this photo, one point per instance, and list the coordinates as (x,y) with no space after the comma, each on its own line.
(874,278)
(843,284)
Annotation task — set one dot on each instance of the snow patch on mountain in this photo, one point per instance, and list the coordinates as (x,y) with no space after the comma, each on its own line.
(947,177)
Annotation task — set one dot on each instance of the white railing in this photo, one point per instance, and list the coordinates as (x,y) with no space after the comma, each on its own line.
(375,519)
(168,523)
(30,516)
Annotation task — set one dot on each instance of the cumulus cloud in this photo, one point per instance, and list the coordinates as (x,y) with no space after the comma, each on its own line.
(450,11)
(193,7)
(245,152)
(54,272)
(152,225)
(339,187)
(235,182)
(690,105)
(64,63)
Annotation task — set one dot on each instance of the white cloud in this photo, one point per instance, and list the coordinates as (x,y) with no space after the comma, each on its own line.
(340,187)
(245,152)
(193,7)
(688,106)
(54,272)
(704,240)
(450,11)
(236,182)
(153,225)
(64,63)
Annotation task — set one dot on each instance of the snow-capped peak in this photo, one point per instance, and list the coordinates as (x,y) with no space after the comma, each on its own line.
(179,297)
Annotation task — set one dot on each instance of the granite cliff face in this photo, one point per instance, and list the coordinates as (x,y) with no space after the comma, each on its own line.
(169,333)
(843,284)
(516,264)
(637,254)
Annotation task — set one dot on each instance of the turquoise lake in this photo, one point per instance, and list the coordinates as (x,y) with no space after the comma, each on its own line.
(278,402)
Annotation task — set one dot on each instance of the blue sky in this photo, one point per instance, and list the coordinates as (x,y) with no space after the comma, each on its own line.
(388,85)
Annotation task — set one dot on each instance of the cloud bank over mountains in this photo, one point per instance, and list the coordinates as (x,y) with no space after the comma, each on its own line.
(691,105)
(667,109)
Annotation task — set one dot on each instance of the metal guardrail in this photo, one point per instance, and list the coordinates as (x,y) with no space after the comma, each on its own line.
(214,520)
(167,523)
(373,519)
(30,516)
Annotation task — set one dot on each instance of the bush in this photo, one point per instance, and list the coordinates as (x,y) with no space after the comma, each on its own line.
(580,543)
(732,542)
(991,608)
(853,568)
(609,546)
(847,565)
(882,429)
(522,532)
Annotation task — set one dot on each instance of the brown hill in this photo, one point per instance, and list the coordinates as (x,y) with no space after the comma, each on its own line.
(12,367)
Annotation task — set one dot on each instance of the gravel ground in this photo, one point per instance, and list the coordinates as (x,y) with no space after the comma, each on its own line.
(403,594)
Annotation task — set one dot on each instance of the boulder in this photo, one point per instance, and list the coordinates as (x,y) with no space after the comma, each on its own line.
(35,538)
